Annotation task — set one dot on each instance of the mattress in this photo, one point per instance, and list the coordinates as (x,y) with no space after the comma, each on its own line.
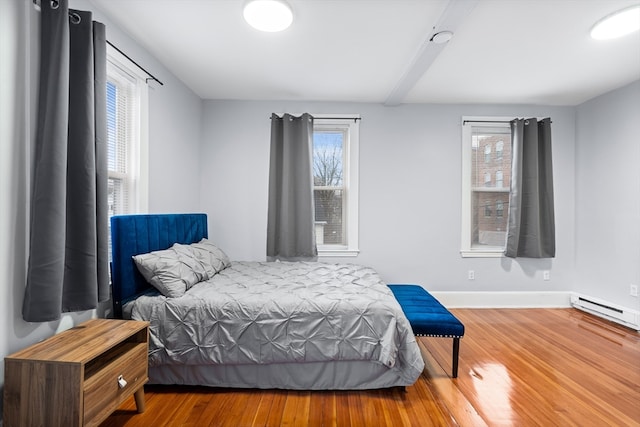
(256,323)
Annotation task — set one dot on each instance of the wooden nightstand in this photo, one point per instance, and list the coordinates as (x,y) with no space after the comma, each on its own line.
(77,377)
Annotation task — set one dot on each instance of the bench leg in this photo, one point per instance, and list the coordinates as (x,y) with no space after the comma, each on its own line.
(456,351)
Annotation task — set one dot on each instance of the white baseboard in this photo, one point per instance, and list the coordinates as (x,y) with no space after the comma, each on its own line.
(504,299)
(622,315)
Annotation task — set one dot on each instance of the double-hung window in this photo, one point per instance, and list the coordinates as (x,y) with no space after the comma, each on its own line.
(485,200)
(335,176)
(127,130)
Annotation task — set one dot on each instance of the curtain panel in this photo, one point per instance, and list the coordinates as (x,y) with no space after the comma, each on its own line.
(68,253)
(531,225)
(290,222)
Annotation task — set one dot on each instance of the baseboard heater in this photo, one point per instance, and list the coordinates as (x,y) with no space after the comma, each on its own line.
(622,315)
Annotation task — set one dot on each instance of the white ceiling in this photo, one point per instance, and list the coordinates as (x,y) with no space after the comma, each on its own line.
(503,51)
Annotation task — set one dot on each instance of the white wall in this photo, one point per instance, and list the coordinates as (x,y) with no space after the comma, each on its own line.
(608,196)
(410,191)
(175,126)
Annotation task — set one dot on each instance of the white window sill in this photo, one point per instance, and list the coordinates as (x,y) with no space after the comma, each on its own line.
(469,253)
(322,253)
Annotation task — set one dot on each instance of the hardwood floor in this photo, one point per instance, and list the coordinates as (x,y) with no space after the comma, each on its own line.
(533,367)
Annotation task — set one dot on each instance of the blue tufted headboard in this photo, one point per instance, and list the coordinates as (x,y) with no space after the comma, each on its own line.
(138,234)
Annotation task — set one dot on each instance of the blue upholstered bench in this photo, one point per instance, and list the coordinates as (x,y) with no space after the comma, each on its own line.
(429,318)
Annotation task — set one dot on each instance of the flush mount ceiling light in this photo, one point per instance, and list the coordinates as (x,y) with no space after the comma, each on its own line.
(268,15)
(618,24)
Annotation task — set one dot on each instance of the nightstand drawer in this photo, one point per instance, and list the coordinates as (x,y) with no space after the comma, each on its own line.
(102,391)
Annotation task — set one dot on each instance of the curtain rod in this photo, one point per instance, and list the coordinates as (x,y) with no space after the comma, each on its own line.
(355,119)
(151,76)
(464,122)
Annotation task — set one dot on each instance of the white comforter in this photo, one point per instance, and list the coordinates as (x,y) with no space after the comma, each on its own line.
(263,313)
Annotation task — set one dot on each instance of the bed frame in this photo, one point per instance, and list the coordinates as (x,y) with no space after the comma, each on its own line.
(137,234)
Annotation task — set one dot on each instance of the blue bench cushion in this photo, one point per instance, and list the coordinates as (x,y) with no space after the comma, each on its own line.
(425,313)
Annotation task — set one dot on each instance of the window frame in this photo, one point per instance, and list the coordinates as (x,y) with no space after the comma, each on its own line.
(138,151)
(467,123)
(350,123)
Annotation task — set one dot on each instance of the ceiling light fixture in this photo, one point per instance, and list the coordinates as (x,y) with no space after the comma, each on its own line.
(618,24)
(268,15)
(442,37)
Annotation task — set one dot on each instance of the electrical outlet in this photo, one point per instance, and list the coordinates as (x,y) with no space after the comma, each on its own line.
(472,275)
(633,290)
(546,275)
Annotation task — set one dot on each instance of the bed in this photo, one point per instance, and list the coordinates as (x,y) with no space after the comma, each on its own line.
(299,326)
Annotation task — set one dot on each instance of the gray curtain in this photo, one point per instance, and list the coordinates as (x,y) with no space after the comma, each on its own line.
(68,258)
(531,226)
(290,222)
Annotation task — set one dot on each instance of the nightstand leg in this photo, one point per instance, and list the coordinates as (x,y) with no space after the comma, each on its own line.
(139,397)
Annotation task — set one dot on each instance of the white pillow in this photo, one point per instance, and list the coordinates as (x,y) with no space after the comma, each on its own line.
(172,271)
(210,257)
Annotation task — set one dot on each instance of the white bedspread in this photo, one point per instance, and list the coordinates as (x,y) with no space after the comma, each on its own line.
(266,313)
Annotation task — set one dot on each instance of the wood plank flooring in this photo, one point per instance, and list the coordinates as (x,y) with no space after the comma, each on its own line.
(530,367)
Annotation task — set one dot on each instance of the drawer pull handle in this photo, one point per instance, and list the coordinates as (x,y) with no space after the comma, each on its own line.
(122,383)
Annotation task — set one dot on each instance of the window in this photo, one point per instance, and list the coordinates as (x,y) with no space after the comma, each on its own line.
(483,233)
(126,135)
(487,209)
(335,175)
(499,148)
(487,153)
